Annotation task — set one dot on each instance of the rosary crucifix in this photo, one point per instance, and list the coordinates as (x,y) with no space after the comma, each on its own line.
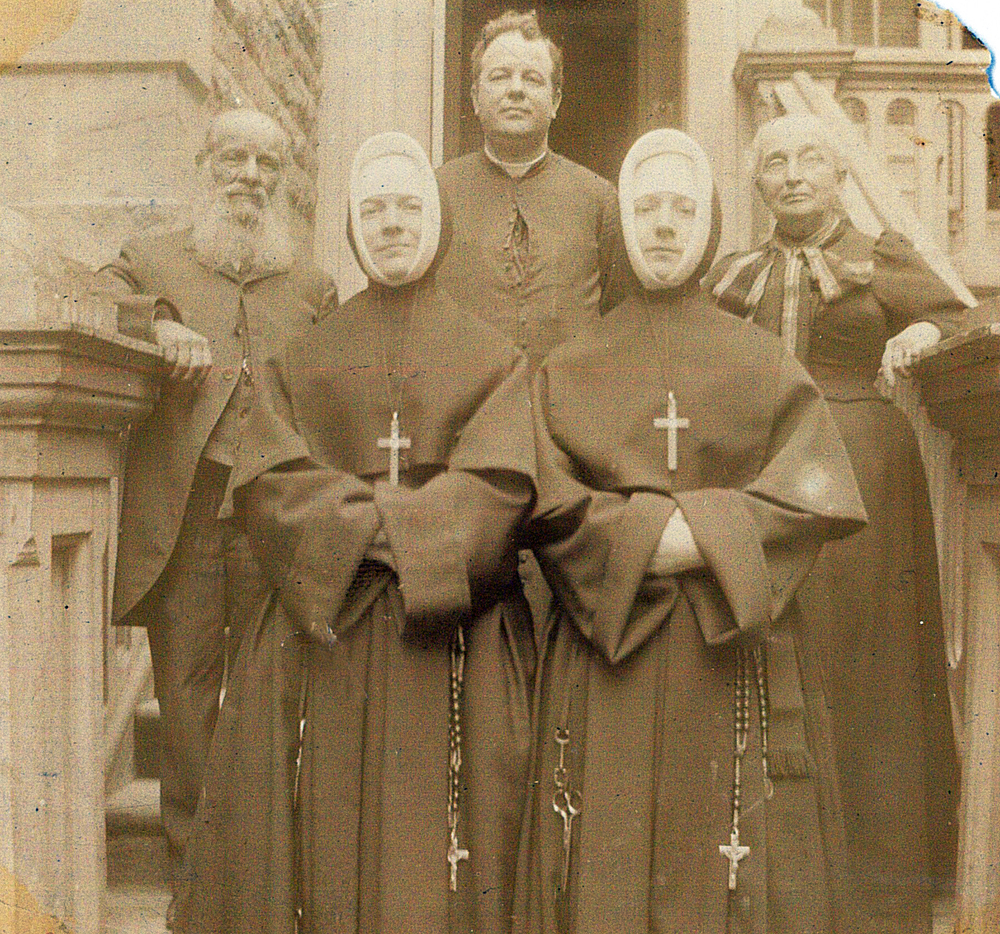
(734,853)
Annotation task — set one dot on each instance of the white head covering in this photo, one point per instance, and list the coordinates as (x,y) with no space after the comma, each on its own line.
(394,163)
(666,160)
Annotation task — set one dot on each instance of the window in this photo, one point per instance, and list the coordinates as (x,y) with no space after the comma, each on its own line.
(900,120)
(870,22)
(993,157)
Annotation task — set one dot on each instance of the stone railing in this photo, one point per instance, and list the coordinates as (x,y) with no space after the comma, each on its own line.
(70,385)
(960,393)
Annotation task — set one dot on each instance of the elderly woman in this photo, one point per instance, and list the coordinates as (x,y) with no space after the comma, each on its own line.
(846,304)
(369,768)
(688,473)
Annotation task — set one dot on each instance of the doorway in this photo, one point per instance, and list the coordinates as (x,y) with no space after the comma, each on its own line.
(621,75)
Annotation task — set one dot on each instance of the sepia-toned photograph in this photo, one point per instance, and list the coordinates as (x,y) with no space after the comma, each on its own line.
(496,467)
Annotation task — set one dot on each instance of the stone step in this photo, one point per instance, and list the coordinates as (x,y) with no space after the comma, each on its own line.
(136,854)
(135,809)
(131,908)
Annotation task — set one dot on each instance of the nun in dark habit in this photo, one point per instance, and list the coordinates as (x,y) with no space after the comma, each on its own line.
(688,474)
(369,767)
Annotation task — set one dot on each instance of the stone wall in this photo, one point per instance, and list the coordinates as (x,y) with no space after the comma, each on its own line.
(268,54)
(104,107)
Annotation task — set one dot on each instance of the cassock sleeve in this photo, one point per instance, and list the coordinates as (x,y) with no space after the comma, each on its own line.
(909,290)
(758,542)
(308,525)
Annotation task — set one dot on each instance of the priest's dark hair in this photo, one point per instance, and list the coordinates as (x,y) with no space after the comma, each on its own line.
(527,25)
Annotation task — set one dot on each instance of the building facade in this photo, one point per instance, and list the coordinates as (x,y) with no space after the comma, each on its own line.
(909,76)
(103,107)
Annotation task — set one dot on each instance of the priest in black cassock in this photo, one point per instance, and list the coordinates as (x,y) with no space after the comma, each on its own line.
(369,766)
(537,241)
(689,473)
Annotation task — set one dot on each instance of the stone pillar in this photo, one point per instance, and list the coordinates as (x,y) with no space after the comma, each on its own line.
(960,387)
(69,385)
(101,116)
(378,74)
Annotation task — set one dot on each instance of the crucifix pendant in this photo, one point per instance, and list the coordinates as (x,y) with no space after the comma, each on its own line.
(394,443)
(671,423)
(455,855)
(734,853)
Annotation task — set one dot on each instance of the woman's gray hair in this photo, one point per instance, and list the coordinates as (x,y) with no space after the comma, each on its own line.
(809,122)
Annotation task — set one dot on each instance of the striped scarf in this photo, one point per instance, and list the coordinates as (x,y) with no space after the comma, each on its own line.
(830,271)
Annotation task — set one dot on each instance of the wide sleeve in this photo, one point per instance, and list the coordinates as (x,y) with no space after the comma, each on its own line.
(308,524)
(454,538)
(594,547)
(760,541)
(909,290)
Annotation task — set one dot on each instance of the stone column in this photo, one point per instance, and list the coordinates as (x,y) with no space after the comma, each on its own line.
(378,75)
(69,385)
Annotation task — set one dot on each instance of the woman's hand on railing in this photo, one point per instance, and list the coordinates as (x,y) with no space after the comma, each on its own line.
(904,350)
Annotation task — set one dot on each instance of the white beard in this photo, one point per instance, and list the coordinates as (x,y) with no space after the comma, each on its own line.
(258,241)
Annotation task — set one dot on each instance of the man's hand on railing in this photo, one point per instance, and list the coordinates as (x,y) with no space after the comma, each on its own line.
(185,350)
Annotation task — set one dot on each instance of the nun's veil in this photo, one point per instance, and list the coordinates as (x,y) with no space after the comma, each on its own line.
(670,161)
(394,163)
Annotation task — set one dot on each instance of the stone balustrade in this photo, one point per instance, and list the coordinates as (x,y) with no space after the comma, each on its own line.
(960,391)
(70,386)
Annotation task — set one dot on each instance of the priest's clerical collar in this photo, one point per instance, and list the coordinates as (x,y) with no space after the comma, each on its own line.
(514,169)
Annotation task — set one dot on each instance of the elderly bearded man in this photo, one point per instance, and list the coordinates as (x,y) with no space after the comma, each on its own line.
(536,236)
(229,293)
(846,305)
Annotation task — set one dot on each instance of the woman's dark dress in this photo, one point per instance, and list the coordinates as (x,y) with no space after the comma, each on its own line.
(871,605)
